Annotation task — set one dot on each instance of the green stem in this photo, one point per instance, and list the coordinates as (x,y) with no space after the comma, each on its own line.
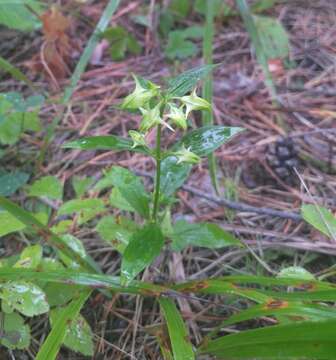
(158,173)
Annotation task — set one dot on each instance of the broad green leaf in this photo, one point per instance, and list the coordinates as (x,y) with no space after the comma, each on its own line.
(118,201)
(200,234)
(9,223)
(178,334)
(31,121)
(30,221)
(144,246)
(81,185)
(308,340)
(16,333)
(116,232)
(273,37)
(320,218)
(109,142)
(186,81)
(131,188)
(17,16)
(30,257)
(173,175)
(48,186)
(205,140)
(53,343)
(296,272)
(11,182)
(79,205)
(221,8)
(78,335)
(25,297)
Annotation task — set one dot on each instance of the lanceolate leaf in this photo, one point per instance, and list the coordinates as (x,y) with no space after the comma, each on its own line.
(144,246)
(178,334)
(308,340)
(203,141)
(109,142)
(201,234)
(185,82)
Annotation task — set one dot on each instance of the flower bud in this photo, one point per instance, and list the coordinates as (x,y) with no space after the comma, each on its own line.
(177,116)
(194,102)
(151,118)
(138,138)
(140,95)
(185,155)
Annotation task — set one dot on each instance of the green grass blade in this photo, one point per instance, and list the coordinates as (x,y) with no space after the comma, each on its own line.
(308,340)
(207,116)
(29,220)
(53,343)
(71,277)
(179,337)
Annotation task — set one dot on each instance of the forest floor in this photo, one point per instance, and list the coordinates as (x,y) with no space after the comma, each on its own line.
(249,171)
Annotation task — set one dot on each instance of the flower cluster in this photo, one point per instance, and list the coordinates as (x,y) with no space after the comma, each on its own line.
(156,110)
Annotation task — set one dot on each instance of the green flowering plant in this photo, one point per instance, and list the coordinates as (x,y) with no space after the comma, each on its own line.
(162,109)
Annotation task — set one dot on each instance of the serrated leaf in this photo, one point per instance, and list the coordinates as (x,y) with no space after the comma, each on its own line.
(25,297)
(201,234)
(11,182)
(205,140)
(320,218)
(48,186)
(144,246)
(178,334)
(186,81)
(78,335)
(16,332)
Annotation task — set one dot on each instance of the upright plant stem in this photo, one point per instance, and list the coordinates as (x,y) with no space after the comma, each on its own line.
(207,118)
(158,173)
